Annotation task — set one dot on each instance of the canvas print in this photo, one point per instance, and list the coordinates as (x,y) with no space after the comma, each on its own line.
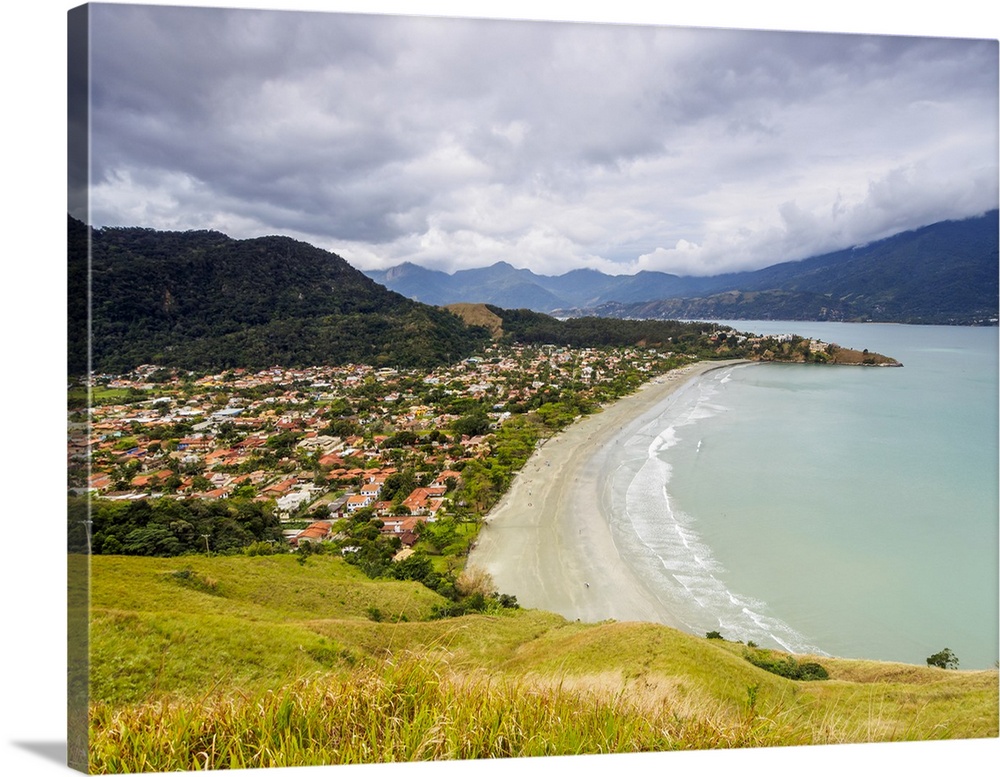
(465,389)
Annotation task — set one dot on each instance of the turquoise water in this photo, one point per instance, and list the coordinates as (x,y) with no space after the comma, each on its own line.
(845,510)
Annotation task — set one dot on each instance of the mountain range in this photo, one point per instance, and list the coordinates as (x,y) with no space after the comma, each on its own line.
(200,300)
(944,273)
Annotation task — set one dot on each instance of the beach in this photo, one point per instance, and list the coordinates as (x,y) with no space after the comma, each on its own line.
(548,540)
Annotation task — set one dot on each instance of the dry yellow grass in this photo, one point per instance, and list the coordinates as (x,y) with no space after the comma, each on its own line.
(476,314)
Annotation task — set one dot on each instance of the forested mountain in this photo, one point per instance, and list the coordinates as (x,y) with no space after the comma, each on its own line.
(942,273)
(202,300)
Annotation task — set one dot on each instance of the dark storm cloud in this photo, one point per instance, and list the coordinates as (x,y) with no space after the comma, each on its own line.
(262,108)
(452,142)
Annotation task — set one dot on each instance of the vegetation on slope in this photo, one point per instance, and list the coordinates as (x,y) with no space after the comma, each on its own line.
(201,300)
(477,314)
(263,661)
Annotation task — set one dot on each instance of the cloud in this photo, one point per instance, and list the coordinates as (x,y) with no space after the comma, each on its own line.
(453,142)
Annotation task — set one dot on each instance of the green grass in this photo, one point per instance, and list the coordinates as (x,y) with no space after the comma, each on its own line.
(255,587)
(153,632)
(77,395)
(240,661)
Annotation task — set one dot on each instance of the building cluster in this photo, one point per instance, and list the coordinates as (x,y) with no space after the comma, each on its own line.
(316,441)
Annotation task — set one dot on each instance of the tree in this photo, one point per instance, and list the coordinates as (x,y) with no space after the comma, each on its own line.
(944,660)
(473,424)
(415,567)
(200,483)
(398,485)
(154,540)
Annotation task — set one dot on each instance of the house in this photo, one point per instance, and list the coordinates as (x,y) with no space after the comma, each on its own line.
(371,490)
(444,476)
(318,531)
(398,524)
(215,493)
(251,443)
(331,460)
(141,481)
(100,481)
(357,502)
(419,501)
(193,442)
(293,500)
(277,489)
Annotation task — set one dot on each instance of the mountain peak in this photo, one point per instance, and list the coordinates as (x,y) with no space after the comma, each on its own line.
(941,273)
(200,300)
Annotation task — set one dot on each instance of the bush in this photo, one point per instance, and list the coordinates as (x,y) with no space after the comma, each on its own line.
(475,580)
(188,578)
(786,666)
(810,670)
(262,548)
(491,604)
(944,660)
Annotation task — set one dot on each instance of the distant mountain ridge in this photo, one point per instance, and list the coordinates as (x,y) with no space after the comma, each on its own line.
(944,273)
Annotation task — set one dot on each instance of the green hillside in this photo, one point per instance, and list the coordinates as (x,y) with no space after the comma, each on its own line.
(202,300)
(254,661)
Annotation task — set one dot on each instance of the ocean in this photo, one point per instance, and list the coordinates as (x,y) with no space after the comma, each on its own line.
(847,511)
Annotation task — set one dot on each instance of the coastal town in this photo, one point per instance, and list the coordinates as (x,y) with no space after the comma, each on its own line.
(304,449)
(324,443)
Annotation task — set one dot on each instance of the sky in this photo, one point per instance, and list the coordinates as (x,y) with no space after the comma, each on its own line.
(455,143)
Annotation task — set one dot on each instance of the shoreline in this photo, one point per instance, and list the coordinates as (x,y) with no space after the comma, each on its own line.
(548,541)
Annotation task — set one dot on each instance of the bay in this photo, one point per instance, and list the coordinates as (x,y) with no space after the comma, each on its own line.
(845,510)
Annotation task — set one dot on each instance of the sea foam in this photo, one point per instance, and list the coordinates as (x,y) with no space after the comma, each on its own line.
(662,543)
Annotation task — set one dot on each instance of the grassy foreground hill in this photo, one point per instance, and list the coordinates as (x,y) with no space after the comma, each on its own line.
(257,661)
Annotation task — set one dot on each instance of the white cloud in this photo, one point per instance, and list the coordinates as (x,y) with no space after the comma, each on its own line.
(456,143)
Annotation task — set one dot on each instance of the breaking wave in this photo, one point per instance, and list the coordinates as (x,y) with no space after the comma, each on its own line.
(663,544)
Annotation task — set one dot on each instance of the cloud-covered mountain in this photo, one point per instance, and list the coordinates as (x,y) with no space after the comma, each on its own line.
(942,273)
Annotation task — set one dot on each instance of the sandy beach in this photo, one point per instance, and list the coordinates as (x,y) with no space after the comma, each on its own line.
(548,541)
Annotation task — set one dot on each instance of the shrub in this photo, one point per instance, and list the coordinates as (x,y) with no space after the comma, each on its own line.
(810,670)
(475,580)
(262,548)
(786,666)
(945,659)
(188,578)
(492,604)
